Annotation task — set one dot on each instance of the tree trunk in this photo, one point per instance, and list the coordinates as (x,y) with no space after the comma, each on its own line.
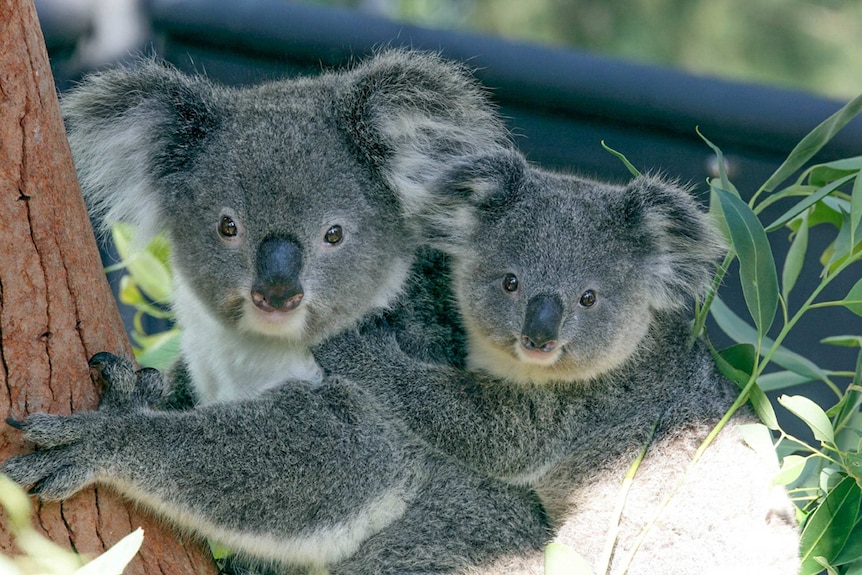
(56,308)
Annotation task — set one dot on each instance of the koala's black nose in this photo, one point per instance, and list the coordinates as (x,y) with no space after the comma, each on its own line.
(276,286)
(542,323)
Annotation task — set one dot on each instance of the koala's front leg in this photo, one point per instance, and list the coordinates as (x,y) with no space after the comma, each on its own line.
(299,474)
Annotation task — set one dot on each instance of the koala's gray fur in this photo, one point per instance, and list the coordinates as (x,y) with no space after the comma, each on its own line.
(288,468)
(285,162)
(562,392)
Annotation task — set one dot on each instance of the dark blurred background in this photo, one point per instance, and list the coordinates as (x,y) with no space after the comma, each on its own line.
(755,77)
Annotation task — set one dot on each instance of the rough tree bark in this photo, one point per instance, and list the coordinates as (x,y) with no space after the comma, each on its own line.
(56,308)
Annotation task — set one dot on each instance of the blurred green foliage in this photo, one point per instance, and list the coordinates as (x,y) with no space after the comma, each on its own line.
(804,44)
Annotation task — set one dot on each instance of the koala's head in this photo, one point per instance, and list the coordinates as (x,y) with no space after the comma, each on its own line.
(288,205)
(557,277)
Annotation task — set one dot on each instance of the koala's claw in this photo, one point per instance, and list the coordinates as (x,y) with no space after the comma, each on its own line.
(52,473)
(124,388)
(17,424)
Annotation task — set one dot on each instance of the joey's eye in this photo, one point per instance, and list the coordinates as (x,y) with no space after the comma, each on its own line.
(227,228)
(510,283)
(333,235)
(588,298)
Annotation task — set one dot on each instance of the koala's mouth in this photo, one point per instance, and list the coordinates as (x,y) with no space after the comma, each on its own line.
(545,356)
(288,322)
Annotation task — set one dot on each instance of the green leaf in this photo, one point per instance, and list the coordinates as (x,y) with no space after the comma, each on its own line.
(632,170)
(148,267)
(852,550)
(853,299)
(740,331)
(808,202)
(791,468)
(813,143)
(856,209)
(737,364)
(781,380)
(722,166)
(795,258)
(812,414)
(159,350)
(756,266)
(563,560)
(843,340)
(828,527)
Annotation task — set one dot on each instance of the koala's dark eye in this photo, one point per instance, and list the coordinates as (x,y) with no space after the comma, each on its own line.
(333,235)
(510,283)
(588,298)
(227,227)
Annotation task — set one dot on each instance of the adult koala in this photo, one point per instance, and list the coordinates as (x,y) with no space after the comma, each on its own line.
(290,210)
(573,298)
(287,205)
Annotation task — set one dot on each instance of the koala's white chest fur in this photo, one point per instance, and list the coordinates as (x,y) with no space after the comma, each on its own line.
(227,364)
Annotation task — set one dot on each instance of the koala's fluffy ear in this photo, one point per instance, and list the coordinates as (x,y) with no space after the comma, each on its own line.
(413,114)
(130,129)
(684,245)
(470,189)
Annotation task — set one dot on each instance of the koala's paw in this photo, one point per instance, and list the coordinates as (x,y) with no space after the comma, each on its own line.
(61,467)
(354,352)
(123,387)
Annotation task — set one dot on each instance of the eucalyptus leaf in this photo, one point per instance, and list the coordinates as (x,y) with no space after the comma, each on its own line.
(853,299)
(629,166)
(114,560)
(756,266)
(781,380)
(843,340)
(737,364)
(740,331)
(827,529)
(826,173)
(856,208)
(758,437)
(563,560)
(722,166)
(813,143)
(812,414)
(791,468)
(795,258)
(159,351)
(808,202)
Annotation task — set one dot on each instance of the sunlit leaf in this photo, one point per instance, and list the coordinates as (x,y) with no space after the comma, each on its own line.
(756,266)
(160,350)
(563,560)
(828,527)
(813,143)
(114,560)
(853,299)
(758,437)
(795,258)
(808,202)
(812,414)
(740,331)
(791,468)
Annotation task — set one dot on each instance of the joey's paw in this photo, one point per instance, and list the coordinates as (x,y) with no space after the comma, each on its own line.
(123,387)
(61,467)
(354,351)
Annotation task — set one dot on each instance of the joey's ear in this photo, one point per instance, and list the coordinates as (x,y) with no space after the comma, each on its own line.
(684,246)
(130,129)
(471,190)
(413,114)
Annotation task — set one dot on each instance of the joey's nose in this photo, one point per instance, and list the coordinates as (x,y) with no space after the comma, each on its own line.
(541,328)
(277,269)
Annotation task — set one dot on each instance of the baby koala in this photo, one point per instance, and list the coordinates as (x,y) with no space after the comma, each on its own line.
(573,295)
(287,205)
